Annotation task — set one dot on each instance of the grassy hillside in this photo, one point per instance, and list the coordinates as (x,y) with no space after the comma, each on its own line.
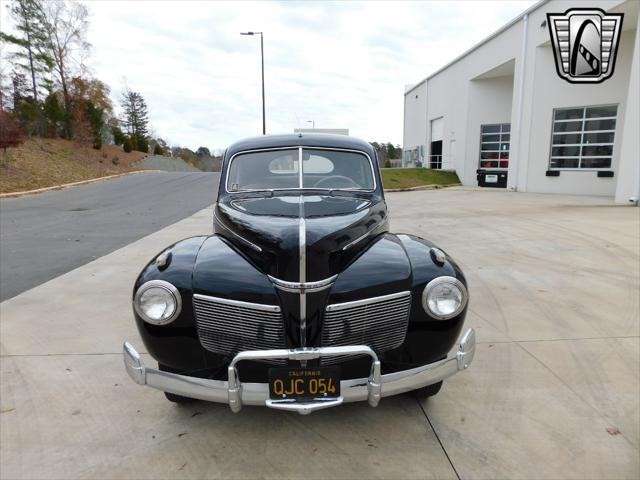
(416,177)
(42,163)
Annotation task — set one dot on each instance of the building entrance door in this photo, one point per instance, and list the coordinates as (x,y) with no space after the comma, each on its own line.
(435,160)
(435,154)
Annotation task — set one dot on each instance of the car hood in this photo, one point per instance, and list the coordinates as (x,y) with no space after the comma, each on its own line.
(280,234)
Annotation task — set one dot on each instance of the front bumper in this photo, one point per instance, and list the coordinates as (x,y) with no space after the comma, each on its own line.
(236,394)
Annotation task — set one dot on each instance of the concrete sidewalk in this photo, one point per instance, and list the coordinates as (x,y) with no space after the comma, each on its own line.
(554,284)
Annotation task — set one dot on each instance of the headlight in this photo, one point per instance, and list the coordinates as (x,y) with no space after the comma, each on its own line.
(157,302)
(444,297)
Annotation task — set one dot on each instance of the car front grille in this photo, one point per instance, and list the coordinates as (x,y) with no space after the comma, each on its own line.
(379,322)
(227,326)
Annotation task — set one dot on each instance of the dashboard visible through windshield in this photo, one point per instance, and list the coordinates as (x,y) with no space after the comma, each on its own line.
(281,170)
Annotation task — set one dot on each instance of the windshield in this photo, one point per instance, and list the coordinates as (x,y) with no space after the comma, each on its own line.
(280,169)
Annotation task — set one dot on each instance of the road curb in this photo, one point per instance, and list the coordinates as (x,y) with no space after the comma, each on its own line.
(422,187)
(73,184)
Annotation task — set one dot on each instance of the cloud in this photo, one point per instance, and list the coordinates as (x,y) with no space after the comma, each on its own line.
(341,64)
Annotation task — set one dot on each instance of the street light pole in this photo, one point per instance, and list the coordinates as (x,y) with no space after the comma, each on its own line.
(264,123)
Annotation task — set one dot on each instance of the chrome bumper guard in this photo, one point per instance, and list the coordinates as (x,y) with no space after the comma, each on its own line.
(236,394)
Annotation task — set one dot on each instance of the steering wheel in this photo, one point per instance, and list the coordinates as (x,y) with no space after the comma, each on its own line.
(350,181)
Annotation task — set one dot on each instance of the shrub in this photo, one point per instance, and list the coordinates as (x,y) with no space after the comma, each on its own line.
(97,141)
(118,135)
(157,150)
(141,144)
(387,163)
(115,160)
(127,146)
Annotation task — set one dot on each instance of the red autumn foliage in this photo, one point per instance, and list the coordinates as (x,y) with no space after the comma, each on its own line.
(10,133)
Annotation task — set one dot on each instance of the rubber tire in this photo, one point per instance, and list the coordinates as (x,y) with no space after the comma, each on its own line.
(172,397)
(428,391)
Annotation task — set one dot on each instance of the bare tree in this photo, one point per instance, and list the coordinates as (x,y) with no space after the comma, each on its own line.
(5,88)
(66,25)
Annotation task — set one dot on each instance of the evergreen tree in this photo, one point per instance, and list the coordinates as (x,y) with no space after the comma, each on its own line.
(127,146)
(391,150)
(203,152)
(95,116)
(54,114)
(25,109)
(136,119)
(31,55)
(118,135)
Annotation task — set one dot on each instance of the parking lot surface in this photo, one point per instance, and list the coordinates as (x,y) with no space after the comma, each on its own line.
(552,393)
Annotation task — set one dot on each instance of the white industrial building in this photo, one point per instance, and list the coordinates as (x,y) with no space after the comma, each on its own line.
(500,114)
(334,131)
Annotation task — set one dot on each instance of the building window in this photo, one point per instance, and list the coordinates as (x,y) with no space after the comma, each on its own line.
(582,138)
(495,141)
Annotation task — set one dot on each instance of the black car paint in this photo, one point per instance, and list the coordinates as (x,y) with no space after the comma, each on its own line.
(277,235)
(223,265)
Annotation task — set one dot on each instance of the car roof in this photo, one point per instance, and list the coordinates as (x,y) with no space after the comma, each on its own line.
(305,140)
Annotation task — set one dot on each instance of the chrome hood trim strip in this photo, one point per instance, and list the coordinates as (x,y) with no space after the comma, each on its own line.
(356,303)
(302,250)
(362,237)
(242,239)
(238,303)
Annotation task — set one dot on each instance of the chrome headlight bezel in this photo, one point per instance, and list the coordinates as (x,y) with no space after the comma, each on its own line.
(166,286)
(439,281)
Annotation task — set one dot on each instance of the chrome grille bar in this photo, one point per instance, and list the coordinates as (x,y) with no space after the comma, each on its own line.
(228,326)
(378,322)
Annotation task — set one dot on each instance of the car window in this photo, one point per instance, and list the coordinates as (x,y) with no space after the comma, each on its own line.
(284,165)
(315,164)
(321,169)
(264,170)
(336,170)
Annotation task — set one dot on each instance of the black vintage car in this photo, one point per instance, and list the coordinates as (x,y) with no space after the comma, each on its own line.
(301,299)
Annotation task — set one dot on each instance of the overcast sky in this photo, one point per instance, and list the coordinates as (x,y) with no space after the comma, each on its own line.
(341,64)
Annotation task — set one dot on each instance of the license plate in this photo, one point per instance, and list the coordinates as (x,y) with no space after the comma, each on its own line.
(491,178)
(295,383)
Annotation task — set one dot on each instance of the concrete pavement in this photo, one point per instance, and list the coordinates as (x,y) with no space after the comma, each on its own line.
(45,235)
(554,284)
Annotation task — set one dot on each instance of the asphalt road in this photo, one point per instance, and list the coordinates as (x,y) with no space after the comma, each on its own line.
(43,236)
